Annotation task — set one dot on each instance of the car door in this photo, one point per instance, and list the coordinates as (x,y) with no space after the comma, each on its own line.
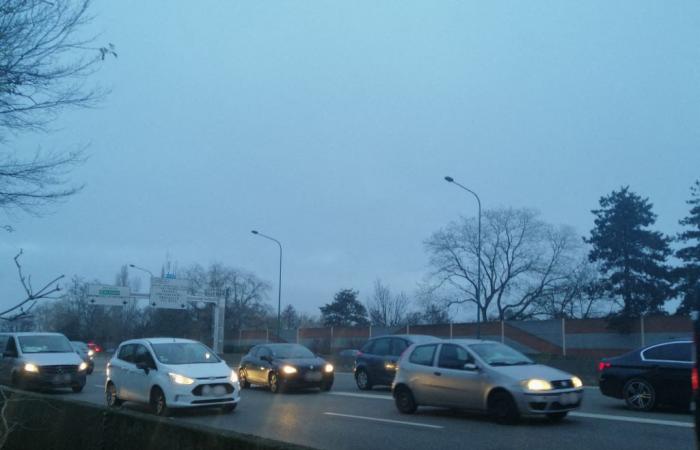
(120,370)
(248,364)
(456,385)
(139,381)
(262,364)
(377,360)
(670,371)
(421,373)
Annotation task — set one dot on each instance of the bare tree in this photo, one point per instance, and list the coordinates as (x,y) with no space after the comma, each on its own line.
(522,259)
(23,308)
(385,309)
(45,62)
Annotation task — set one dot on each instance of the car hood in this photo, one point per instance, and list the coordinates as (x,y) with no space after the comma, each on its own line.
(52,359)
(204,370)
(540,371)
(301,362)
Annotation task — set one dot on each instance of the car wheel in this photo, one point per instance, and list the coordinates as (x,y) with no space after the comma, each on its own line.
(557,417)
(245,384)
(158,404)
(78,388)
(502,408)
(229,408)
(639,395)
(326,386)
(90,370)
(111,396)
(274,383)
(404,400)
(362,380)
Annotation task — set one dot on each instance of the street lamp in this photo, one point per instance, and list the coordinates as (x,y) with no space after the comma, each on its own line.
(134,266)
(478,257)
(279,283)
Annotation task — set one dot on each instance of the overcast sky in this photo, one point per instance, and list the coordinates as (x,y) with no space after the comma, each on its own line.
(330,125)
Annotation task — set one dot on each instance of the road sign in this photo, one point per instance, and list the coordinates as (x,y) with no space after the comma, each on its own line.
(169,293)
(106,295)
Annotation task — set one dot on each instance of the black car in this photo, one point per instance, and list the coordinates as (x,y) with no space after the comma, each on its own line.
(656,375)
(284,366)
(375,364)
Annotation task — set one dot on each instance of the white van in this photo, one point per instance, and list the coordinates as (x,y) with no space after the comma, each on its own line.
(40,360)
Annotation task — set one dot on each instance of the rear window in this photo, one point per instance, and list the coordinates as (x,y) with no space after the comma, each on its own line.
(423,355)
(681,351)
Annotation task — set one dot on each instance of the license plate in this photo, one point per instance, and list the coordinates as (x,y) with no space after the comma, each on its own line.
(568,399)
(313,377)
(215,391)
(60,379)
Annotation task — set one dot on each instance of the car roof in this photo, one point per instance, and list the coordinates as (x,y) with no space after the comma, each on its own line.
(418,338)
(159,340)
(472,341)
(31,333)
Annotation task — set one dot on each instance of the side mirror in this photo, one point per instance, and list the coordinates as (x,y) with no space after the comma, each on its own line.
(471,367)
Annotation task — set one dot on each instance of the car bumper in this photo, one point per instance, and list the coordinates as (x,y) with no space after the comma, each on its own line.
(550,402)
(193,396)
(297,381)
(31,380)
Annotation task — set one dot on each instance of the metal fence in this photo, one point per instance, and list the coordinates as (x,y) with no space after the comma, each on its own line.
(566,337)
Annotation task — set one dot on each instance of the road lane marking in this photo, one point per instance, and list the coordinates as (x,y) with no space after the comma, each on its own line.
(99,385)
(376,419)
(359,395)
(671,423)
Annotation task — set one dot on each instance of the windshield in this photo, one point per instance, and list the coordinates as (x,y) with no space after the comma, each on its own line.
(184,353)
(496,354)
(45,344)
(291,351)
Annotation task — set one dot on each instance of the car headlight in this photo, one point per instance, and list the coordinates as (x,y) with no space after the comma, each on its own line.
(33,368)
(91,352)
(180,379)
(289,370)
(538,385)
(83,366)
(233,377)
(576,381)
(328,368)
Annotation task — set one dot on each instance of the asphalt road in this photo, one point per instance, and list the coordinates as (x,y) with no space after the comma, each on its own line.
(347,418)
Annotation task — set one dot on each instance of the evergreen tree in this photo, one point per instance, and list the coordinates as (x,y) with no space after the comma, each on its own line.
(344,310)
(632,257)
(688,275)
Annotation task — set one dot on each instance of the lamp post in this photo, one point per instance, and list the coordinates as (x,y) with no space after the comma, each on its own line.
(478,258)
(134,266)
(279,282)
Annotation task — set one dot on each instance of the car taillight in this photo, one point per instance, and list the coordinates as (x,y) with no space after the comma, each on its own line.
(694,379)
(603,365)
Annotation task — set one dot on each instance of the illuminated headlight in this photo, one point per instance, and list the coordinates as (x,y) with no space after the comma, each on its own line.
(180,379)
(83,366)
(289,370)
(538,385)
(91,352)
(328,368)
(576,381)
(233,377)
(33,368)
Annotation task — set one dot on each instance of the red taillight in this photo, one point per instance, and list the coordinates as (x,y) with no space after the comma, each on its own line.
(603,365)
(694,379)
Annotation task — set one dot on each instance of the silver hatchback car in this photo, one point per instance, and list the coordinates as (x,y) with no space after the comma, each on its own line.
(483,376)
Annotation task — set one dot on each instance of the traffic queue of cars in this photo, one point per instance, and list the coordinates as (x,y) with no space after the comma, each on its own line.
(468,374)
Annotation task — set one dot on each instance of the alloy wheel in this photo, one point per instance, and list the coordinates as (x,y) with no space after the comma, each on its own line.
(639,395)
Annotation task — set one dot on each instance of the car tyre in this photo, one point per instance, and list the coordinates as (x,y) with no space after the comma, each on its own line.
(245,384)
(159,406)
(274,384)
(405,403)
(78,388)
(557,417)
(503,409)
(639,394)
(325,387)
(362,380)
(111,397)
(227,409)
(90,370)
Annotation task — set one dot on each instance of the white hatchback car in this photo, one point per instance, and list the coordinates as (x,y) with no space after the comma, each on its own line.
(170,373)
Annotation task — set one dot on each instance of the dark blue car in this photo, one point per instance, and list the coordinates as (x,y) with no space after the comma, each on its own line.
(375,364)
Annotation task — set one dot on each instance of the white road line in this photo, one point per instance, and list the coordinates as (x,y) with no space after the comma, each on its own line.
(359,395)
(375,419)
(670,423)
(99,385)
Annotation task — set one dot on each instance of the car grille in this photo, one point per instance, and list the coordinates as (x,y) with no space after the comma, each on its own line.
(562,384)
(304,370)
(226,386)
(55,370)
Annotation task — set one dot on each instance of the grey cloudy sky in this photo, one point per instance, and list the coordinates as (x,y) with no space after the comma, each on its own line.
(330,125)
